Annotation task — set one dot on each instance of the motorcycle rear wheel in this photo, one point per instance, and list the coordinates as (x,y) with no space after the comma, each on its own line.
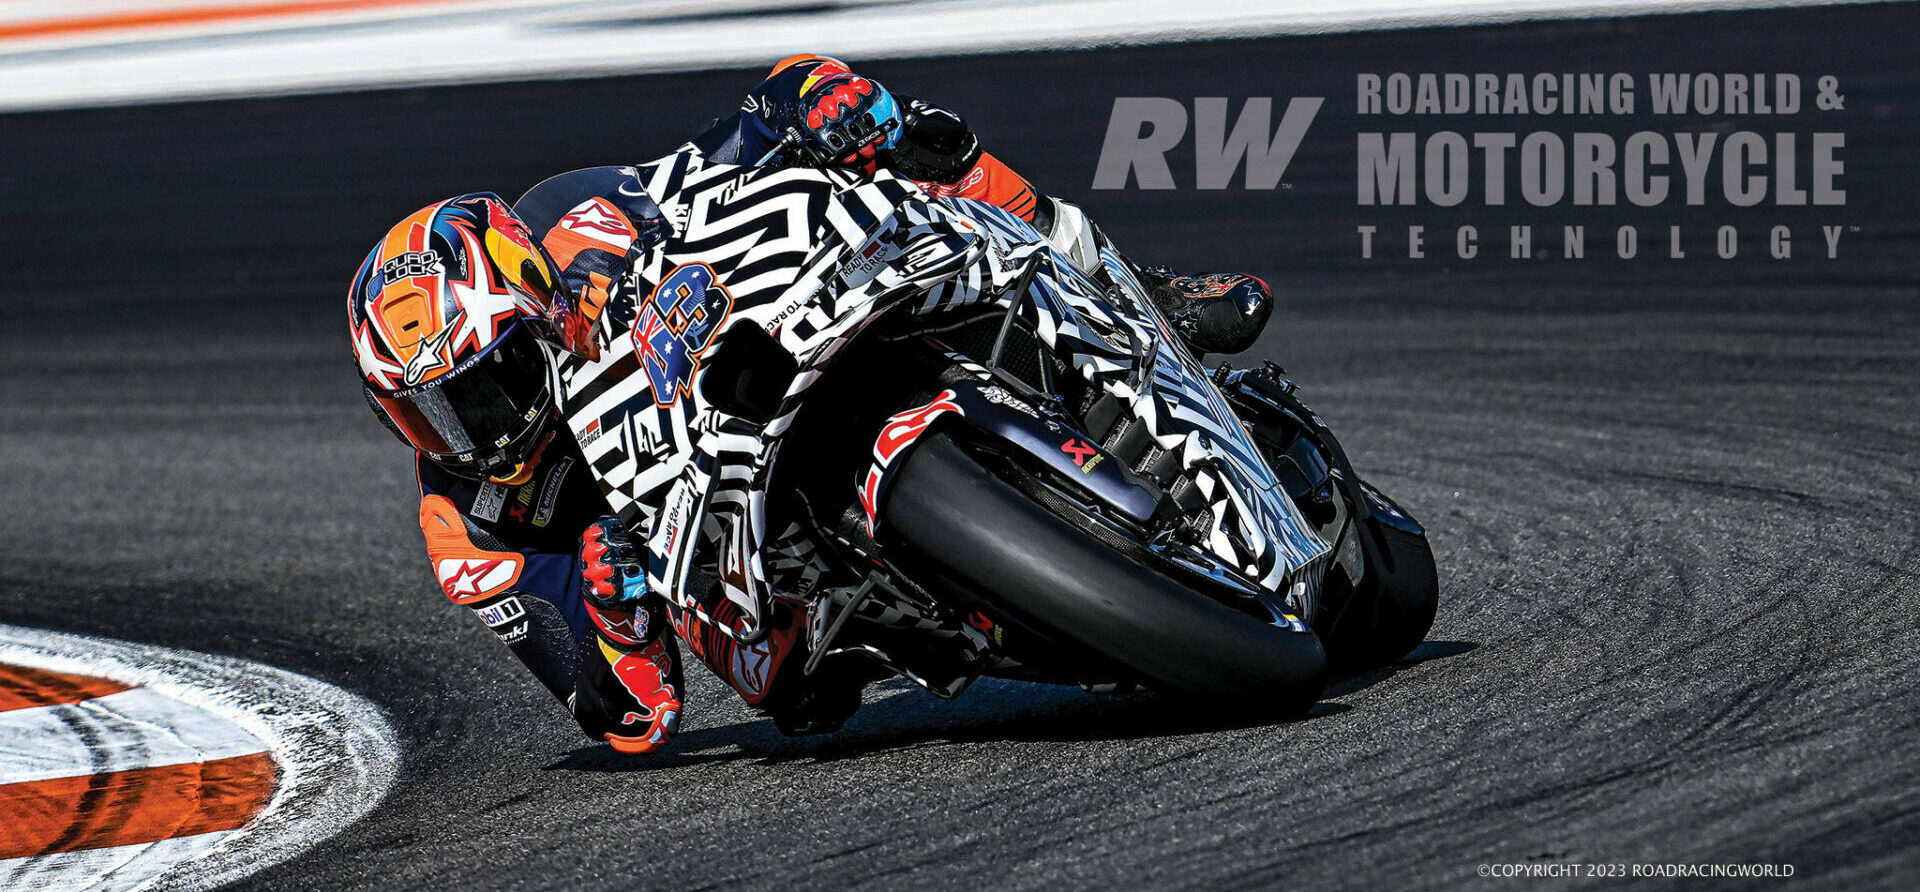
(984,534)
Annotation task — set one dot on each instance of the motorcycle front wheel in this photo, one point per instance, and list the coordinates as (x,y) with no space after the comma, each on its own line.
(984,534)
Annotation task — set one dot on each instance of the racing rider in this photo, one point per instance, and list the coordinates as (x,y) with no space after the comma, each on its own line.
(451,316)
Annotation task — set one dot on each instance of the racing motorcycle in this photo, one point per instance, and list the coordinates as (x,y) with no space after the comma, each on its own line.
(860,428)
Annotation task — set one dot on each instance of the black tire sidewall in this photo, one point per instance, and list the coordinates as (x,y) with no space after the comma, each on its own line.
(985,534)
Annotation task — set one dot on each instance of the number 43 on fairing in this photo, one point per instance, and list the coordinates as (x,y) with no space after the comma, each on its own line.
(677,324)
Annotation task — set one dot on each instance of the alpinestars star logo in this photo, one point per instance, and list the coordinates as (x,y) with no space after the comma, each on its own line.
(464,580)
(429,356)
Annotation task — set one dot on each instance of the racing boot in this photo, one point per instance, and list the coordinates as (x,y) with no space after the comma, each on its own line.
(1213,313)
(820,703)
(629,696)
(628,690)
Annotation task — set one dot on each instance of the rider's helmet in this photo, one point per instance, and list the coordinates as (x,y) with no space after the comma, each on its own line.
(448,317)
(777,99)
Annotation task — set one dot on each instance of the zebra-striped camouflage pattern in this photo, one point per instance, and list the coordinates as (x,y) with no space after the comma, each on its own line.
(810,256)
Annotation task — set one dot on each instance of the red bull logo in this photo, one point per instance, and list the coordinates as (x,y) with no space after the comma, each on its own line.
(502,221)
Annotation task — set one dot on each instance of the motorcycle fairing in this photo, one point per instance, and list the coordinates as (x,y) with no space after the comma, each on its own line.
(806,255)
(810,256)
(1245,498)
(1254,527)
(1010,420)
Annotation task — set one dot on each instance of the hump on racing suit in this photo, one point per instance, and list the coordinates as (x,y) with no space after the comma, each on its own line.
(933,146)
(590,221)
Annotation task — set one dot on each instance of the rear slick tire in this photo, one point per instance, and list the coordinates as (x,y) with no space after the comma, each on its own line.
(987,536)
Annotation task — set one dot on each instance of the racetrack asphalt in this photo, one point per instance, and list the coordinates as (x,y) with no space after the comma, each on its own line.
(1674,506)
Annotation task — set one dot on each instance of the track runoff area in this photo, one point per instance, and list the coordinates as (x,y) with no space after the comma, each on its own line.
(127,766)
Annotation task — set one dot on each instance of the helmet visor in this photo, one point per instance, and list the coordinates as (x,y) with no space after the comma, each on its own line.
(480,407)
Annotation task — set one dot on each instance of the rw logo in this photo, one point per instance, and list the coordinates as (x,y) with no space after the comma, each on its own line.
(1143,129)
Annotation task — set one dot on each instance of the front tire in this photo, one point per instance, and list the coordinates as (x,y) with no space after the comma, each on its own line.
(1394,607)
(985,535)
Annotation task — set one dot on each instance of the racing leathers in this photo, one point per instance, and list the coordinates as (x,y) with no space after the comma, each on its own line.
(539,563)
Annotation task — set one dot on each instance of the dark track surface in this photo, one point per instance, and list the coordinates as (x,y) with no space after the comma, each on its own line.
(1675,507)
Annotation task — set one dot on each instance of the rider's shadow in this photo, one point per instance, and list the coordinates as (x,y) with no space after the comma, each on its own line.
(900,716)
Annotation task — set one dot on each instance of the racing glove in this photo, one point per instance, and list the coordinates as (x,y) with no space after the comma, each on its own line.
(849,120)
(1214,312)
(628,689)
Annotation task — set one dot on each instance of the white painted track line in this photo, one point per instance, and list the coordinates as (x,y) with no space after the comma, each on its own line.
(120,867)
(546,41)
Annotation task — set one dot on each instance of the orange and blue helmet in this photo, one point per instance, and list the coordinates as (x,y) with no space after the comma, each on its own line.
(449,314)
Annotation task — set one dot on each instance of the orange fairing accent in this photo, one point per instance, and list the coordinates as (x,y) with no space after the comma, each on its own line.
(467,572)
(991,180)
